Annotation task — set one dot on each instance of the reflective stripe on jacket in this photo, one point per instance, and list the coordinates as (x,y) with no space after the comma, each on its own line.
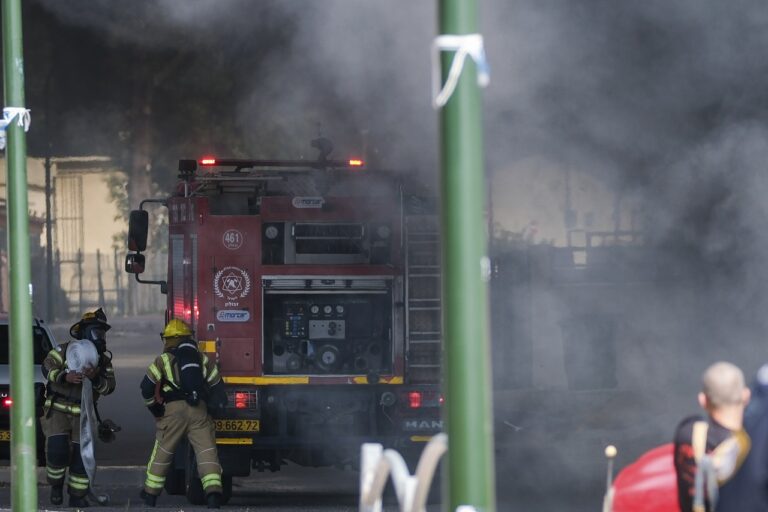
(55,369)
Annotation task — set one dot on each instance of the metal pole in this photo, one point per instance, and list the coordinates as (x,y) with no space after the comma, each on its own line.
(80,258)
(100,278)
(49,293)
(466,271)
(23,452)
(118,293)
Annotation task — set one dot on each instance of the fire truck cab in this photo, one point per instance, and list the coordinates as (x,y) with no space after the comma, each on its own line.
(315,285)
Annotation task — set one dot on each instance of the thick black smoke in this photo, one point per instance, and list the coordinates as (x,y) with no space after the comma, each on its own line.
(663,99)
(662,102)
(294,70)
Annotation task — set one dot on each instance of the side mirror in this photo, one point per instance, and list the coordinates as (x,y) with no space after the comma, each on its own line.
(138,227)
(134,263)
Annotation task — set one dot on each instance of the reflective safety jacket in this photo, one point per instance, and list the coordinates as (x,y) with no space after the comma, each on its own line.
(65,397)
(162,382)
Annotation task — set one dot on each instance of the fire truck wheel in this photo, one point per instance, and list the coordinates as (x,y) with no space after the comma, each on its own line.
(226,484)
(175,484)
(195,493)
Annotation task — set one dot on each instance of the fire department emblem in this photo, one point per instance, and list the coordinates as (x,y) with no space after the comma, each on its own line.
(232,283)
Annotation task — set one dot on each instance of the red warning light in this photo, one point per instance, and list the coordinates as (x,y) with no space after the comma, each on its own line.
(355,162)
(7,402)
(414,399)
(207,161)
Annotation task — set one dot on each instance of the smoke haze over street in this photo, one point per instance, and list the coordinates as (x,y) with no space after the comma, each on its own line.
(647,118)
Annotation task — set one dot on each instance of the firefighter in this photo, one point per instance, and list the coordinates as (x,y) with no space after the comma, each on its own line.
(177,389)
(748,490)
(717,443)
(61,419)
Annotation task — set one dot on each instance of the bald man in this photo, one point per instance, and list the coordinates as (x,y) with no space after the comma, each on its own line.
(723,396)
(748,490)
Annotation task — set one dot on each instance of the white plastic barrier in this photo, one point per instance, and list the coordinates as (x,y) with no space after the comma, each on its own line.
(376,464)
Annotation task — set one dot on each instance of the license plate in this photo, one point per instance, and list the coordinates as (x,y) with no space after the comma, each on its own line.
(5,435)
(237,425)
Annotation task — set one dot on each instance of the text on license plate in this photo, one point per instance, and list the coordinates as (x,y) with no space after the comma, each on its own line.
(237,425)
(5,435)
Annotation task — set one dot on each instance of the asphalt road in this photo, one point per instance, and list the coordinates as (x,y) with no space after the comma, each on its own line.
(294,490)
(135,343)
(544,462)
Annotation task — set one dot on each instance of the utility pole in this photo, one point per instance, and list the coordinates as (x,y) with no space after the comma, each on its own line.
(23,452)
(80,258)
(49,294)
(466,266)
(100,278)
(118,293)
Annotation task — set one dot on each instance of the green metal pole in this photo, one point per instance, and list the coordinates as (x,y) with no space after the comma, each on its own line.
(23,453)
(466,270)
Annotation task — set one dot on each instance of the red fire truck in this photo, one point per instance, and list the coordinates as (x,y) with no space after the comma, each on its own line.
(316,286)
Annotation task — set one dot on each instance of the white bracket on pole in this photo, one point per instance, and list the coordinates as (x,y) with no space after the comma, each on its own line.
(376,464)
(22,117)
(464,45)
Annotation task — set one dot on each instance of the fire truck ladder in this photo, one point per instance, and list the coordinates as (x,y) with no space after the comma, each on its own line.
(423,318)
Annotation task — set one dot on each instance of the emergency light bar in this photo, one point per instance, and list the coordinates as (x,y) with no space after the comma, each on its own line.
(190,166)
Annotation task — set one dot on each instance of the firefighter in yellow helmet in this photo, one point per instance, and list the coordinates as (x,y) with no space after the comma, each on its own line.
(179,387)
(61,420)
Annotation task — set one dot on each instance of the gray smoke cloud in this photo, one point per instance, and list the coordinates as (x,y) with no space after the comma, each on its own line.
(356,74)
(663,103)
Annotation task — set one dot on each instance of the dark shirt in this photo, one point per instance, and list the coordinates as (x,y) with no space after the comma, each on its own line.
(747,491)
(685,462)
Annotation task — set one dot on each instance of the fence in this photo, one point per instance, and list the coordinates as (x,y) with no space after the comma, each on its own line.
(98,279)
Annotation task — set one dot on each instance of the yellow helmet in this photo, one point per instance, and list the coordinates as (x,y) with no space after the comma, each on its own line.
(176,328)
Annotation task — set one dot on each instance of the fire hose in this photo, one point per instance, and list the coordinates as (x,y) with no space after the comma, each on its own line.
(411,490)
(82,354)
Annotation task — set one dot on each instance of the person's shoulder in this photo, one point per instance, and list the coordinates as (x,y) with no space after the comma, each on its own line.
(158,360)
(61,349)
(690,420)
(684,429)
(56,354)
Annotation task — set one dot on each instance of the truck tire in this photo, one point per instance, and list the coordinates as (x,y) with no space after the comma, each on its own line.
(175,483)
(226,485)
(194,487)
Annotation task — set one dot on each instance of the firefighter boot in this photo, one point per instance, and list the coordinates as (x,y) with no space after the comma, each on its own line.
(213,500)
(150,500)
(57,494)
